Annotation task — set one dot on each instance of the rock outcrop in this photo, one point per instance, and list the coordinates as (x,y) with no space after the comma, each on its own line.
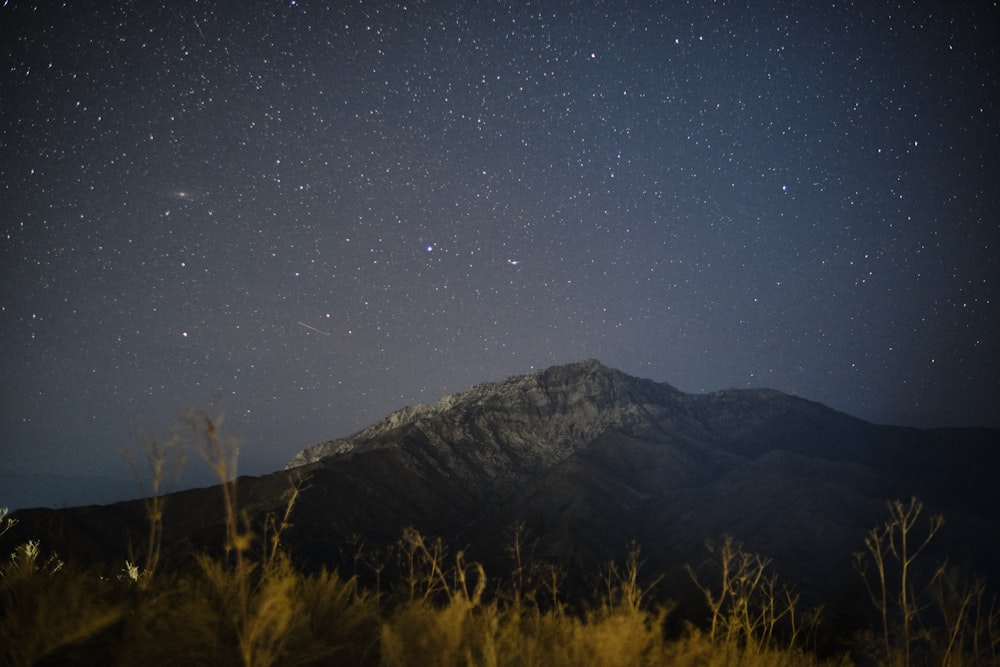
(522,424)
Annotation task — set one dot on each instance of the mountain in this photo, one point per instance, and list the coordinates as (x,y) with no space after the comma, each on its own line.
(26,489)
(50,490)
(589,458)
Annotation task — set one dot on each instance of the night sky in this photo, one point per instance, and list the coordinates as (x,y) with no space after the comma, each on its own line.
(309,214)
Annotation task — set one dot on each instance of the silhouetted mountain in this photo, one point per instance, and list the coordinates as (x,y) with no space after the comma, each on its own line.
(22,490)
(589,458)
(27,490)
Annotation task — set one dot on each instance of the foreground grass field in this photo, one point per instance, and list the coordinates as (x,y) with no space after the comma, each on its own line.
(251,607)
(266,613)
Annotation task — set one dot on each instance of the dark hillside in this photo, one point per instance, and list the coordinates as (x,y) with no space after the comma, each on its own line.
(589,458)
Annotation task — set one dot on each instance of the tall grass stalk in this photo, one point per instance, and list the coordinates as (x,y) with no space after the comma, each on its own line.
(747,607)
(892,547)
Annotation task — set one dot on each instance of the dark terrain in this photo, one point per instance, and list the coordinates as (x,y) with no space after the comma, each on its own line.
(589,458)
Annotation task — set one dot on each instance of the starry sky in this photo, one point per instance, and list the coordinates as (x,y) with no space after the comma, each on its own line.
(308,214)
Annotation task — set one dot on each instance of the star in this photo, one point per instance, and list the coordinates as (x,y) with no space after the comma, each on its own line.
(326,176)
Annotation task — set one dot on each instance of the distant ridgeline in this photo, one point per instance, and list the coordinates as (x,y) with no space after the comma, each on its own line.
(587,460)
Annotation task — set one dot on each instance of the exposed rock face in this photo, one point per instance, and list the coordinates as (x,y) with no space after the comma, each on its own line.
(521,425)
(589,458)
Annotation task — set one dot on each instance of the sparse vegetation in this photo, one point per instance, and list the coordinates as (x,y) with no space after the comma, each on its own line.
(251,607)
(942,619)
(749,610)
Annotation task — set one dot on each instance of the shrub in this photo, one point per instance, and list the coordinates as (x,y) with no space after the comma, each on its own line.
(46,607)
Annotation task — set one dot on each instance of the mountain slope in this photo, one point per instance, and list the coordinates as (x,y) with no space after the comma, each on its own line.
(588,458)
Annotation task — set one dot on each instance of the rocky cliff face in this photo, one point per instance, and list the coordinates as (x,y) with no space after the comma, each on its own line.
(522,424)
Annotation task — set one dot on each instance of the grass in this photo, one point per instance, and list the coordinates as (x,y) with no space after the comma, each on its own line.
(250,607)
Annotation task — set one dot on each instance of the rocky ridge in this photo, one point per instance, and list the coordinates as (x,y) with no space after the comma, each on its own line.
(522,424)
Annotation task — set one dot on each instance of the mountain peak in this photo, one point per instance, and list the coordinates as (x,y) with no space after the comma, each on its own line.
(587,458)
(560,406)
